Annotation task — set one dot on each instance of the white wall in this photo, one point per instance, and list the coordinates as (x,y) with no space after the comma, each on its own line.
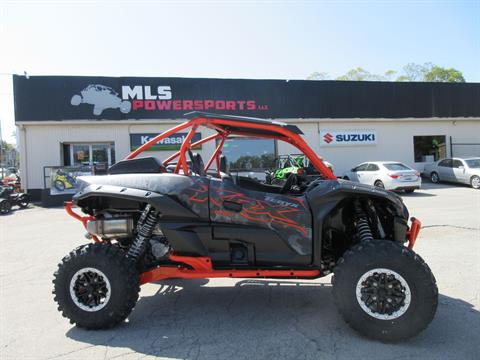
(40,144)
(394,140)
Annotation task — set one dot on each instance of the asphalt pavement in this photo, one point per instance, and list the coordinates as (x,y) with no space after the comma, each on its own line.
(237,318)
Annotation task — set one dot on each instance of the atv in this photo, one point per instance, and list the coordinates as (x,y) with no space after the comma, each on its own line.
(11,195)
(199,221)
(293,163)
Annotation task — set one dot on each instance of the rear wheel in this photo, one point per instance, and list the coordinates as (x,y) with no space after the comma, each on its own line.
(434,178)
(379,184)
(96,286)
(475,182)
(5,206)
(59,185)
(409,191)
(384,291)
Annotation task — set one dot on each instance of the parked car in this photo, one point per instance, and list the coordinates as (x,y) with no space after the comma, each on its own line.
(459,170)
(389,175)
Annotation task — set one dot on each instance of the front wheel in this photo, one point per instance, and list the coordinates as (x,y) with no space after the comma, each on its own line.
(5,206)
(23,201)
(409,191)
(385,291)
(475,182)
(379,184)
(96,286)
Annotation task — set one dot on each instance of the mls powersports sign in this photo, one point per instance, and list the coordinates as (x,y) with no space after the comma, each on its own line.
(347,137)
(57,98)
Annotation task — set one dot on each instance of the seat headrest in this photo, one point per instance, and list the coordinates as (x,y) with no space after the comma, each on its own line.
(224,167)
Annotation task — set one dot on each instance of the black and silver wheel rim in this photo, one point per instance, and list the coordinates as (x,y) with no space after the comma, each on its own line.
(90,289)
(4,207)
(383,294)
(434,178)
(476,182)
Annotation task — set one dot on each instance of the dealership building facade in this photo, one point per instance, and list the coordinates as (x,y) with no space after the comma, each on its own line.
(69,124)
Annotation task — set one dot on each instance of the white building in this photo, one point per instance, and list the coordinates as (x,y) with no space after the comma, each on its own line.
(75,122)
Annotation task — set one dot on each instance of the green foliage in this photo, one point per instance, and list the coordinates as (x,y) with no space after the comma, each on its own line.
(410,72)
(318,76)
(439,74)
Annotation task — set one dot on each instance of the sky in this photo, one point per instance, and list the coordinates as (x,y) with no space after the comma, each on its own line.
(231,39)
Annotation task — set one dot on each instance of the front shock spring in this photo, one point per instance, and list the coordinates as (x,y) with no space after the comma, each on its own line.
(146,225)
(362,225)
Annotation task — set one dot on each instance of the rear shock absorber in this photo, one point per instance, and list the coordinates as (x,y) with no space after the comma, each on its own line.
(362,225)
(146,225)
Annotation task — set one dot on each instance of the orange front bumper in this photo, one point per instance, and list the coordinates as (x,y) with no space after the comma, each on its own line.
(413,232)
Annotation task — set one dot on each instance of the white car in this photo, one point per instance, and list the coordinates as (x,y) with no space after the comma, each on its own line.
(389,175)
(466,171)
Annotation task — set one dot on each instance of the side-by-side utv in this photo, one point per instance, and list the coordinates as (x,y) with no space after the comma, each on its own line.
(149,221)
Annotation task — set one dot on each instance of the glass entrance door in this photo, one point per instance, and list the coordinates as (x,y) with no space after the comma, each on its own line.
(89,154)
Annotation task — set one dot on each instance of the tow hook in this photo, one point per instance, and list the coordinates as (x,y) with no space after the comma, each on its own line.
(412,234)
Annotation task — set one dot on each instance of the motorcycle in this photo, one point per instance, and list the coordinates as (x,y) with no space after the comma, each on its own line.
(9,198)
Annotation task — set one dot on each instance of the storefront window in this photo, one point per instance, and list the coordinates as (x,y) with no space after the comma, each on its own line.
(88,154)
(429,148)
(249,154)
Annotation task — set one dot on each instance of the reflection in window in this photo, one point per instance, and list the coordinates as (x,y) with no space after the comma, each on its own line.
(429,148)
(249,154)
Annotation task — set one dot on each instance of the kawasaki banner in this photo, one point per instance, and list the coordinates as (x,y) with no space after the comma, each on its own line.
(172,142)
(54,98)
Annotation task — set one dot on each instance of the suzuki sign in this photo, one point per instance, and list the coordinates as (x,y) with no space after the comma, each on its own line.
(347,137)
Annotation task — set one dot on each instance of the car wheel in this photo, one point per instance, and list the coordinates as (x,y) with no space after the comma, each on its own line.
(409,191)
(96,286)
(125,107)
(346,178)
(59,185)
(76,100)
(384,290)
(434,178)
(379,184)
(475,182)
(5,207)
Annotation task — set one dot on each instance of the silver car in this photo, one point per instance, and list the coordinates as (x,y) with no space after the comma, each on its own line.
(389,175)
(465,171)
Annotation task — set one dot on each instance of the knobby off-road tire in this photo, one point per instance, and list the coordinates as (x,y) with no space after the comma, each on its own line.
(103,264)
(360,267)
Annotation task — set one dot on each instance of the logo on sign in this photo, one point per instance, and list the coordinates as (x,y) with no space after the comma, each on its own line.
(328,138)
(158,98)
(348,137)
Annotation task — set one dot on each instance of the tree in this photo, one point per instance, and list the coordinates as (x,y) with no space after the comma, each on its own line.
(439,74)
(415,72)
(360,74)
(410,72)
(318,76)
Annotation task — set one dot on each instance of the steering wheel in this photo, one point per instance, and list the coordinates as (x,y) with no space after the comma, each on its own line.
(291,180)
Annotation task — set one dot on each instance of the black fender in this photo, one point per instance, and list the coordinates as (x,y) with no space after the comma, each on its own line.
(325,195)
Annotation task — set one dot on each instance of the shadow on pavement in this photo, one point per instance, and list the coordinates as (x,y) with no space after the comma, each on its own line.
(270,319)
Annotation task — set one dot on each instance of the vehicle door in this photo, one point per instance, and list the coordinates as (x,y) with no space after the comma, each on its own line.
(359,173)
(459,170)
(445,170)
(275,228)
(372,173)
